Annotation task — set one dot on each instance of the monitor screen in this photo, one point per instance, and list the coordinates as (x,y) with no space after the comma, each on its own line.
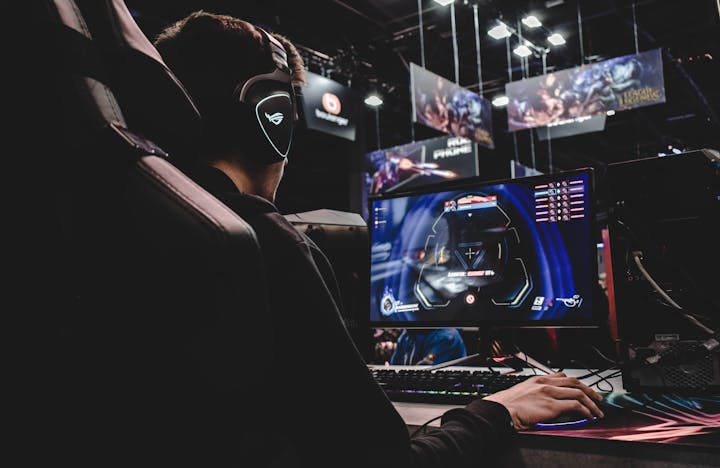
(515,252)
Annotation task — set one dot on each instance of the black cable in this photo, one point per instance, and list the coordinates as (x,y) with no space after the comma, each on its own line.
(488,364)
(610,390)
(424,426)
(592,372)
(614,374)
(527,364)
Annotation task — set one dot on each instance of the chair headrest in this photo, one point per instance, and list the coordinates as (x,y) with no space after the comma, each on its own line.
(154,102)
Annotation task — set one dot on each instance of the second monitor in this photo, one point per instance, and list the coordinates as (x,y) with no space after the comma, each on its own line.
(515,252)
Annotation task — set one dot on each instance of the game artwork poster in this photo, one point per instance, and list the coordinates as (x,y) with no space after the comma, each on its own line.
(445,106)
(418,163)
(566,96)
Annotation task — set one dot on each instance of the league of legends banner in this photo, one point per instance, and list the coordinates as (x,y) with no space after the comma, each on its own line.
(566,96)
(445,106)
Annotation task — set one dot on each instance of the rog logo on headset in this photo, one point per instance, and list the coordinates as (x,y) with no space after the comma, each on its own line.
(275,118)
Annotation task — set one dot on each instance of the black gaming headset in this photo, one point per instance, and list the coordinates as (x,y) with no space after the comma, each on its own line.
(268,106)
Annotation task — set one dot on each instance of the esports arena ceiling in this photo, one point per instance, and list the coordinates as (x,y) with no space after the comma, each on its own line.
(369,44)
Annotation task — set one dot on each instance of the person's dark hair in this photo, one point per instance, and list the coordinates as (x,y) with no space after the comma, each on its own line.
(211,54)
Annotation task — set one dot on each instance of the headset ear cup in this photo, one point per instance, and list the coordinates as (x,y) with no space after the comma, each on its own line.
(267,107)
(269,120)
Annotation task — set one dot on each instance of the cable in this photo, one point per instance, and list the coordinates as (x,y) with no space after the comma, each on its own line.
(635,29)
(604,378)
(580,34)
(477,48)
(637,256)
(526,361)
(634,238)
(455,44)
(611,361)
(489,365)
(422,39)
(424,426)
(592,372)
(520,354)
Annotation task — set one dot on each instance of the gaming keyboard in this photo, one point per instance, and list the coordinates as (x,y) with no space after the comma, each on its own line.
(455,387)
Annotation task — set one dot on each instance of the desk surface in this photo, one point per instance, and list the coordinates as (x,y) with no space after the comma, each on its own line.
(660,425)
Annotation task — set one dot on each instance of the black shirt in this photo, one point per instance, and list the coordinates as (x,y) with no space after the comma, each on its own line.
(331,412)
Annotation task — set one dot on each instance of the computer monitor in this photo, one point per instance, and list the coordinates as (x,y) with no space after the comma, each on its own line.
(508,253)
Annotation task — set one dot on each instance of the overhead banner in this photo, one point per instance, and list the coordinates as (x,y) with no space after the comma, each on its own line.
(330,107)
(445,106)
(578,126)
(418,163)
(575,94)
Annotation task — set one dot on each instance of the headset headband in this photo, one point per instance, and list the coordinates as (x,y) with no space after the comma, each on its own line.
(277,50)
(282,72)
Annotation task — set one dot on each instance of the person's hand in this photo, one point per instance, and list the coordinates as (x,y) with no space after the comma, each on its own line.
(545,397)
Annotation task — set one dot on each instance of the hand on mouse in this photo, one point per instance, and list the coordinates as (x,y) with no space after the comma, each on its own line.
(545,397)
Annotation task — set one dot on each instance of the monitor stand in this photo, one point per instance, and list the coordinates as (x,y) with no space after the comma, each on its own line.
(492,354)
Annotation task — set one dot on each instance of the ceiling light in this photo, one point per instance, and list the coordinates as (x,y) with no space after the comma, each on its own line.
(522,50)
(444,2)
(556,39)
(500,101)
(373,100)
(499,32)
(531,22)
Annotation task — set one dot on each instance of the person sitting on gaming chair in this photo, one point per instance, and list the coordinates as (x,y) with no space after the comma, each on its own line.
(329,413)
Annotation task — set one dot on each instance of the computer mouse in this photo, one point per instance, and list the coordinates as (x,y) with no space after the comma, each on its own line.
(566,421)
(572,419)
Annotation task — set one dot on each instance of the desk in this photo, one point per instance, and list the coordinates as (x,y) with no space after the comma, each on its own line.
(638,431)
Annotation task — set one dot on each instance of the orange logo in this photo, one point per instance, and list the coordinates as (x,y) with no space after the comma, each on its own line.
(331,103)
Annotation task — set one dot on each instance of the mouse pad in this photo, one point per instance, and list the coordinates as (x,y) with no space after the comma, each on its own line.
(665,418)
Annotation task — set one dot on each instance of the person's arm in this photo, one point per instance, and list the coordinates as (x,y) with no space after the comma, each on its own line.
(467,437)
(483,427)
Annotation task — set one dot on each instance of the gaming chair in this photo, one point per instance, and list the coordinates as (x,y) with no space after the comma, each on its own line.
(140,299)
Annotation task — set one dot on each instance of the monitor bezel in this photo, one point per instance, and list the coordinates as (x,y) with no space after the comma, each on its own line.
(594,322)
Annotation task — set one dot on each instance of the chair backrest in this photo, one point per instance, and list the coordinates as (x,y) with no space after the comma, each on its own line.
(142,295)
